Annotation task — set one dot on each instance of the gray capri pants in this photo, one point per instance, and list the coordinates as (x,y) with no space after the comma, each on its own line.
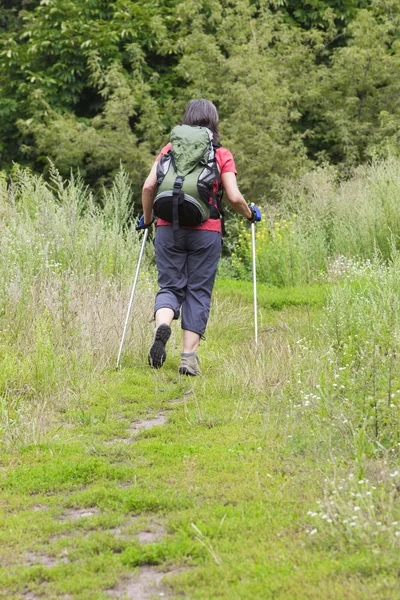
(186,266)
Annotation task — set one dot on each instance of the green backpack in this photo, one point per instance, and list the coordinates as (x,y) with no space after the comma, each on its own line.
(188,179)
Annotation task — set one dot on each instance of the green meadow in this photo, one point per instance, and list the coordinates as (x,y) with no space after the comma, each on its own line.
(275,475)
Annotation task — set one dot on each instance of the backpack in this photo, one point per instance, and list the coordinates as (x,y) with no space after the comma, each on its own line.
(188,179)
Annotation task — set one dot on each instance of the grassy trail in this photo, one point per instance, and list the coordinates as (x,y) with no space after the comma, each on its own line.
(207,481)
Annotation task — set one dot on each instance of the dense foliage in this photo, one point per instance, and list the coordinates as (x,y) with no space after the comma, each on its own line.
(91,84)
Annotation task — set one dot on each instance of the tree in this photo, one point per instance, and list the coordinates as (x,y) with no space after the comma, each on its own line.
(361,83)
(90,84)
(56,60)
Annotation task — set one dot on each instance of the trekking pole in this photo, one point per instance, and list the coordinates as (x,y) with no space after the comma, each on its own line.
(253,241)
(146,233)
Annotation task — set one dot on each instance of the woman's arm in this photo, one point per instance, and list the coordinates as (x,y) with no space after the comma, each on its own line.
(148,193)
(234,195)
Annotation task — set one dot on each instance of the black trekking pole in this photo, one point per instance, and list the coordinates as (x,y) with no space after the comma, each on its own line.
(146,233)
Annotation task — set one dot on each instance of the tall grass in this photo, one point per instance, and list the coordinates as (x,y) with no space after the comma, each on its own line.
(326,385)
(66,268)
(329,381)
(322,217)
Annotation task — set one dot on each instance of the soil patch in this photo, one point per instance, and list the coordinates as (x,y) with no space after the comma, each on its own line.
(146,585)
(144,424)
(153,533)
(31,596)
(40,507)
(149,537)
(137,426)
(73,514)
(45,560)
(119,440)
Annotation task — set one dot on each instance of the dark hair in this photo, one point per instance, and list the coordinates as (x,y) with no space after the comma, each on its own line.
(203,114)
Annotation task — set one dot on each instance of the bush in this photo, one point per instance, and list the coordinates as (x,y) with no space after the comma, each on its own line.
(321,219)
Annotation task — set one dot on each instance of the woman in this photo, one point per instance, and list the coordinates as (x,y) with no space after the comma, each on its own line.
(187,257)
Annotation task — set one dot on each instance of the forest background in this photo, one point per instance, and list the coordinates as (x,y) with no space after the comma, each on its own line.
(297,83)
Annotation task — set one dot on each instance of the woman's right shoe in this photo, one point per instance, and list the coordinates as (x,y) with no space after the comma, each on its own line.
(158,354)
(189,364)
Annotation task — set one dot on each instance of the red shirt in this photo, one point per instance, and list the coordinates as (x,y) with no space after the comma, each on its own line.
(226,165)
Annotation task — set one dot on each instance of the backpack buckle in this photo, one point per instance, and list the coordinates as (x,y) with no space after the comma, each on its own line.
(178,183)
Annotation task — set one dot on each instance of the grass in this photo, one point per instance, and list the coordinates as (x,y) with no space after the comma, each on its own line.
(275,474)
(231,478)
(276,298)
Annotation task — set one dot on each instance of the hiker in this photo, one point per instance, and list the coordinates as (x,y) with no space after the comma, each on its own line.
(184,190)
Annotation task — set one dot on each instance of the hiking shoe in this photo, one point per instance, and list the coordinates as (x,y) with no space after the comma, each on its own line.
(189,364)
(158,354)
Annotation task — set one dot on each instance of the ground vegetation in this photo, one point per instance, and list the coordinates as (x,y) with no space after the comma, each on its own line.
(274,475)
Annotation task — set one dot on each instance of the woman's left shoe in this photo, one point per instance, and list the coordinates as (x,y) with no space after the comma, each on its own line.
(158,354)
(189,364)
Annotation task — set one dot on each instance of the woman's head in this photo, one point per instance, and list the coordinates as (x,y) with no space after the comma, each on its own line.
(202,113)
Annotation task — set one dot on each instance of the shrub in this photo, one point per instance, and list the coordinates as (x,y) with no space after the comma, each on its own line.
(321,218)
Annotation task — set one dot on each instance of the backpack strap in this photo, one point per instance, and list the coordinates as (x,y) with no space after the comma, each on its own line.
(218,195)
(177,199)
(163,166)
